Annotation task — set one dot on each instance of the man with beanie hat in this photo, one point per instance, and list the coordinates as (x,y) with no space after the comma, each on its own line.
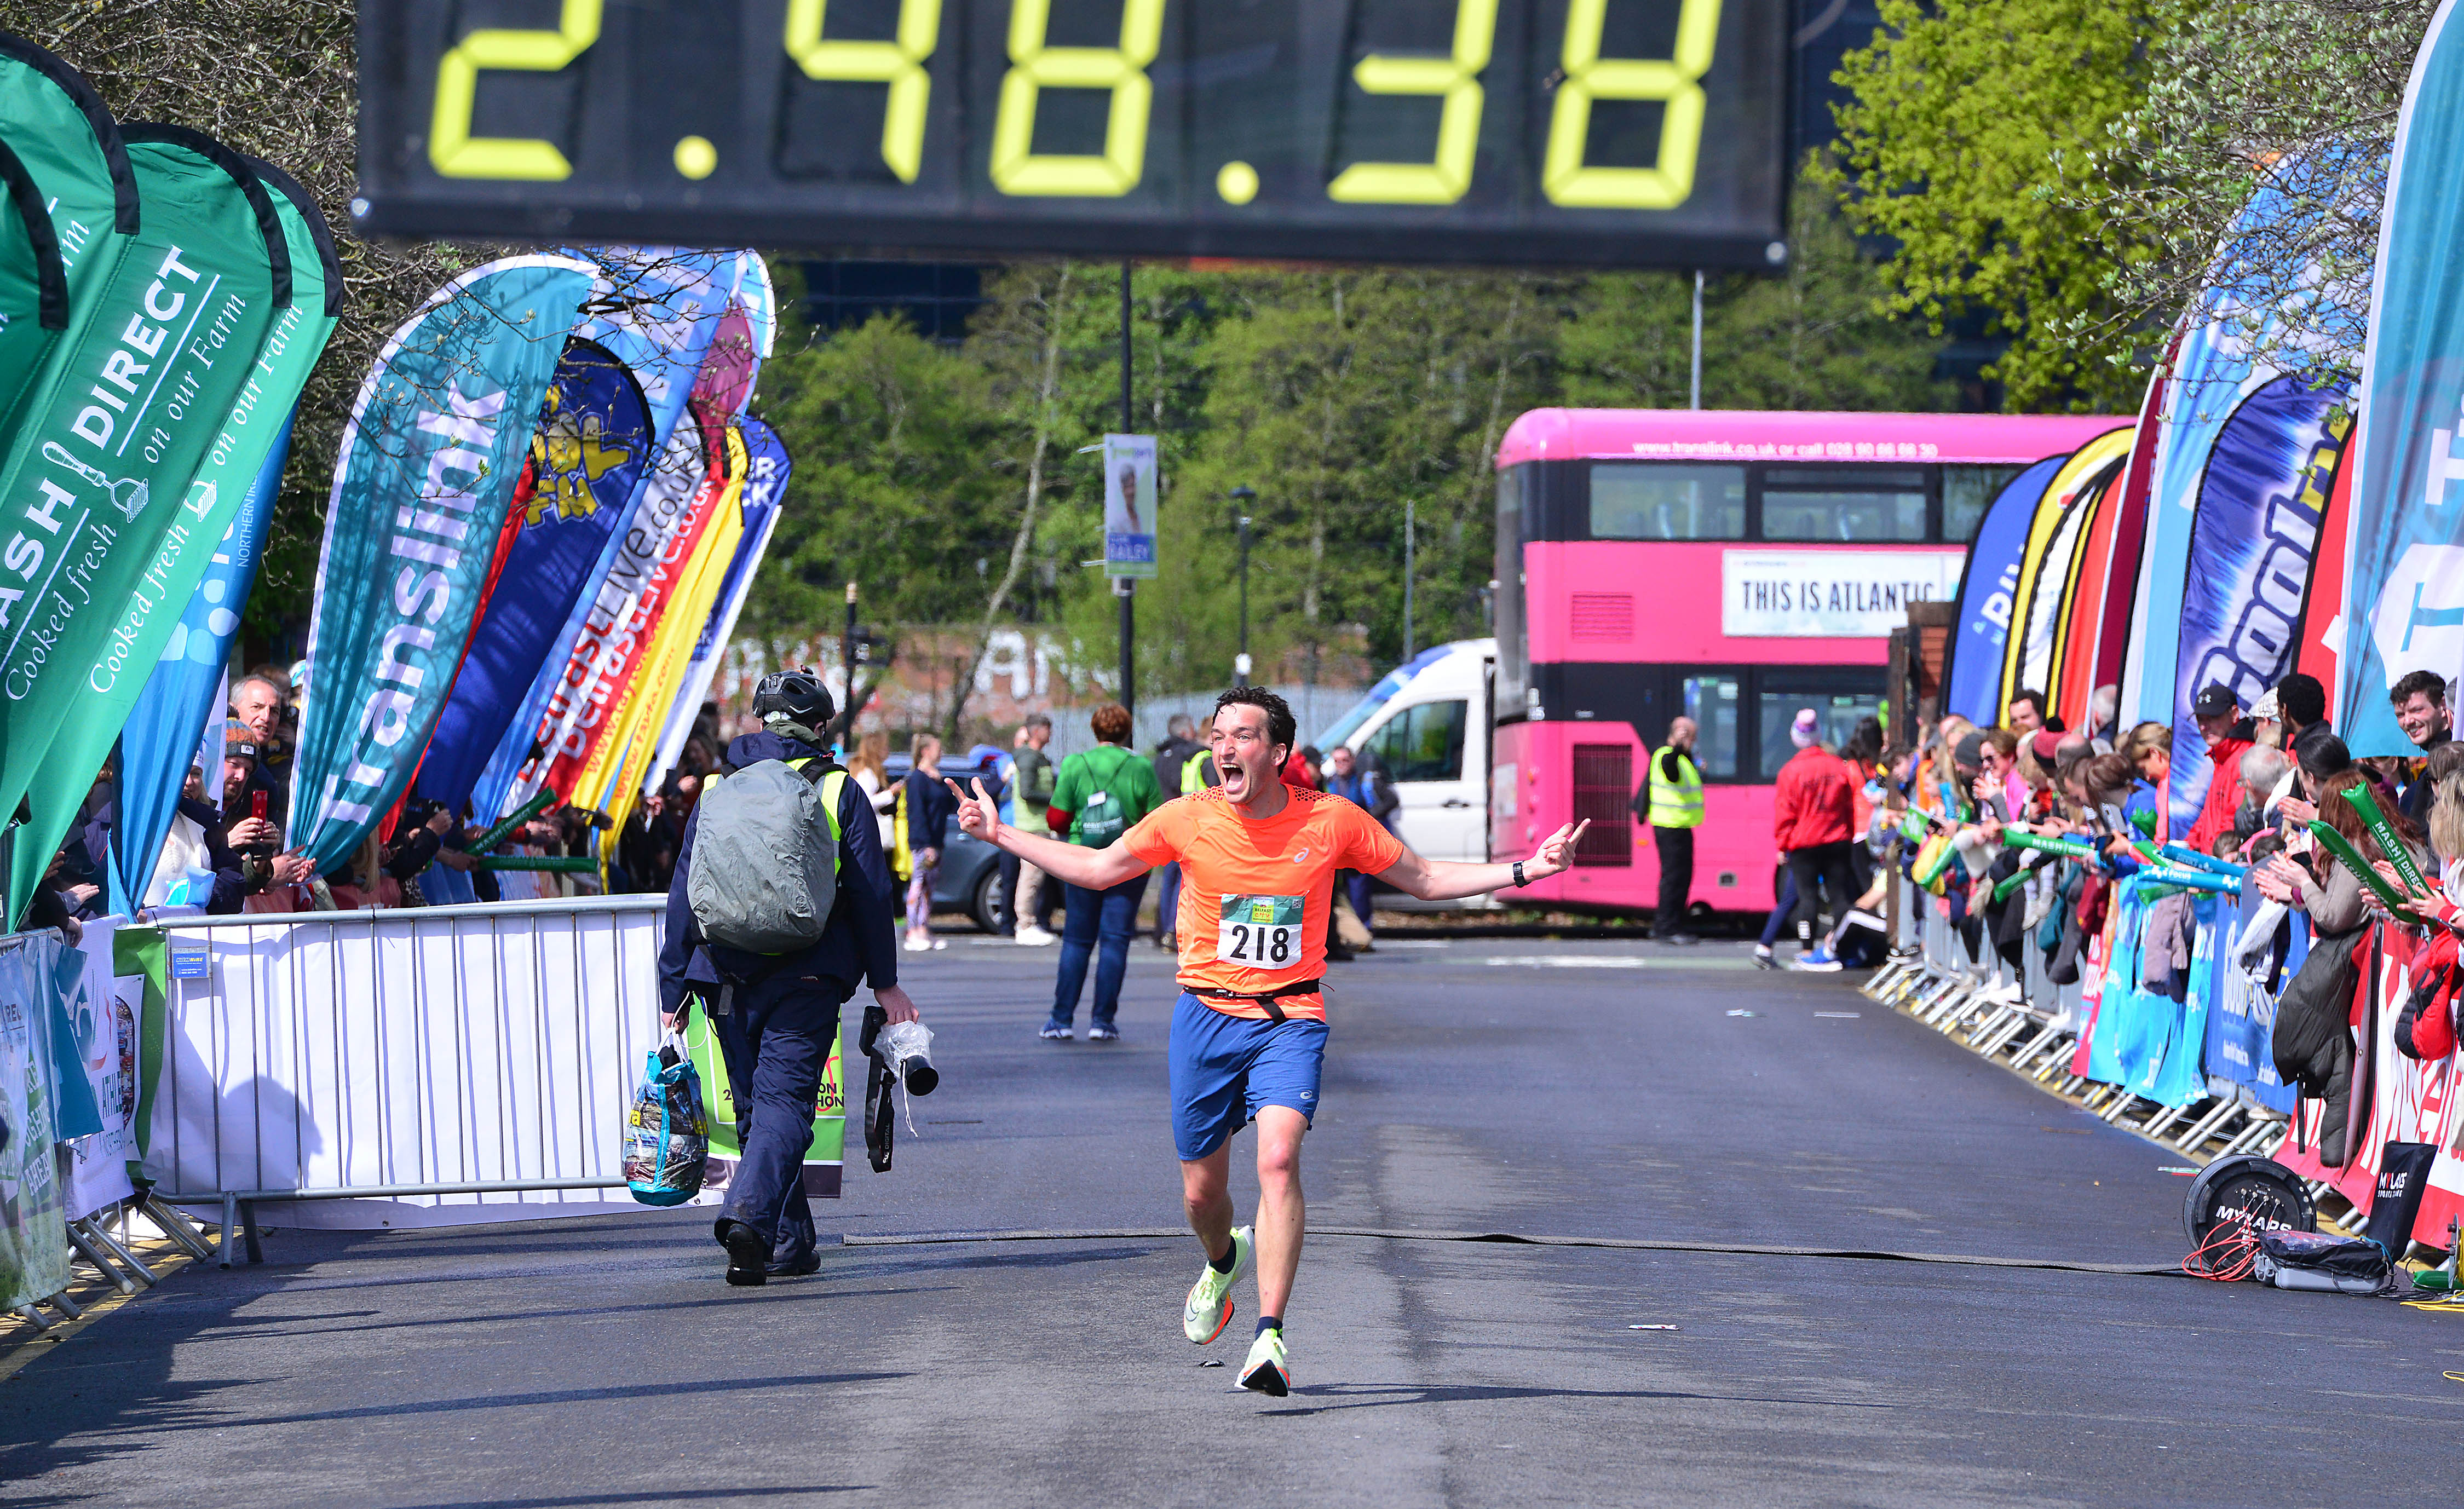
(1814,819)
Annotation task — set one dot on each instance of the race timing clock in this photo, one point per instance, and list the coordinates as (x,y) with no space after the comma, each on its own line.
(1606,133)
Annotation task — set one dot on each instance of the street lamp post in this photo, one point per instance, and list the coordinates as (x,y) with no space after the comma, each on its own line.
(1243,497)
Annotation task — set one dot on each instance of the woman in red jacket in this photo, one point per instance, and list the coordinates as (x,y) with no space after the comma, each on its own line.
(1814,822)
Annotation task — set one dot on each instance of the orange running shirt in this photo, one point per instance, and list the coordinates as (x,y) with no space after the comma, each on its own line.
(1255,896)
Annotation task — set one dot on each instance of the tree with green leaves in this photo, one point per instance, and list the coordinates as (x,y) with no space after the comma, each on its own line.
(1973,130)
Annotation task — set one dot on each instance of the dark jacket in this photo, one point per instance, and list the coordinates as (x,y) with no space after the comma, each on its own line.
(1169,759)
(930,807)
(858,944)
(230,887)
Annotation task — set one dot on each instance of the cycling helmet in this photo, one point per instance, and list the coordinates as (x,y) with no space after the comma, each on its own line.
(794,703)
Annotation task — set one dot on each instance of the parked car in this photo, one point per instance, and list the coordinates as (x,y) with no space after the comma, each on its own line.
(970,868)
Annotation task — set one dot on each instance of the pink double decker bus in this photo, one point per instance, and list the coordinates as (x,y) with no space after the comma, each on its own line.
(1734,567)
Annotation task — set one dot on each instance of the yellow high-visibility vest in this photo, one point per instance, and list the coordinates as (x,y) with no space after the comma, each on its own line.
(1676,803)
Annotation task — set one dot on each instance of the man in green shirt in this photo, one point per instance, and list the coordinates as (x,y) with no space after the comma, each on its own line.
(1031,779)
(1101,794)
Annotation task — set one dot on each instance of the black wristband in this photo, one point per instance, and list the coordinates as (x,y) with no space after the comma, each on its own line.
(1518,873)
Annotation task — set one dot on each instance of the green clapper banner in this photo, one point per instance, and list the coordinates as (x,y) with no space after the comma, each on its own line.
(123,414)
(252,424)
(143,950)
(825,1159)
(69,150)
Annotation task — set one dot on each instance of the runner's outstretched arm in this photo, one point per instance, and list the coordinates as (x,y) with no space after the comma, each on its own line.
(1444,880)
(1095,869)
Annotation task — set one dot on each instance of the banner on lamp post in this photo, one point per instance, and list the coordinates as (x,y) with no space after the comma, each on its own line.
(1129,502)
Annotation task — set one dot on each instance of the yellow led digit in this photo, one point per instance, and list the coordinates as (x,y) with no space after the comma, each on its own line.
(1589,76)
(451,149)
(1016,169)
(1443,180)
(899,64)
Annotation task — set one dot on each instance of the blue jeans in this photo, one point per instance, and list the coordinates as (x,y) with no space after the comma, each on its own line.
(1168,903)
(776,1040)
(1781,914)
(1104,920)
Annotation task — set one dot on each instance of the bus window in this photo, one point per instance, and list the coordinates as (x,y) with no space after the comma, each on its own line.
(1424,742)
(1713,703)
(1641,500)
(1840,713)
(1866,503)
(1966,493)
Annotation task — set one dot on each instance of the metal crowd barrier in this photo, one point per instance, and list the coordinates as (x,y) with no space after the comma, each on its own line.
(445,1055)
(2033,1027)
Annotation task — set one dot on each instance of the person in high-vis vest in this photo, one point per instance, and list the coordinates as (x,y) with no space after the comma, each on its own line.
(1671,802)
(777,1015)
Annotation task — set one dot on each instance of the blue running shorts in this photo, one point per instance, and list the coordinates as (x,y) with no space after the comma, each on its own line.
(1225,1068)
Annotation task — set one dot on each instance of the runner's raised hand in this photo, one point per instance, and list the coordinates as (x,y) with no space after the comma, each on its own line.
(979,815)
(1557,850)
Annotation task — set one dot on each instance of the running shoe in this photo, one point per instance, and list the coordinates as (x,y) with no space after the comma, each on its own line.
(1818,961)
(1056,1032)
(1209,1307)
(1267,1371)
(1032,936)
(1763,959)
(1103,1032)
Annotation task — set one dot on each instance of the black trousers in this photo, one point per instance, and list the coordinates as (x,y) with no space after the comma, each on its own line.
(777,1041)
(1676,846)
(1827,863)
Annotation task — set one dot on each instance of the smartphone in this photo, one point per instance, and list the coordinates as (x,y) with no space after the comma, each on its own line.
(256,804)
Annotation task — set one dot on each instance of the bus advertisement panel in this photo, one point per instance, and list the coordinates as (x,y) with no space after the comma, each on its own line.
(1731,567)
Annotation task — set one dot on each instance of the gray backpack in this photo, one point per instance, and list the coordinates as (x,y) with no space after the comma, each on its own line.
(765,856)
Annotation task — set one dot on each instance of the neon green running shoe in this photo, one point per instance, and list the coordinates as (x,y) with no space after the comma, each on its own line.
(1267,1371)
(1209,1309)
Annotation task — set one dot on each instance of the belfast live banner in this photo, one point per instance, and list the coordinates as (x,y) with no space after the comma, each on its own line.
(586,463)
(122,417)
(1981,624)
(627,754)
(56,129)
(2405,547)
(686,481)
(2261,503)
(608,779)
(420,502)
(666,328)
(255,431)
(765,492)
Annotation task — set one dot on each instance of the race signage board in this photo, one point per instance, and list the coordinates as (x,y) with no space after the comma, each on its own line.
(1825,594)
(1613,133)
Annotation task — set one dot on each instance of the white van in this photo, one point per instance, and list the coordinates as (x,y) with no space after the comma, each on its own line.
(1427,725)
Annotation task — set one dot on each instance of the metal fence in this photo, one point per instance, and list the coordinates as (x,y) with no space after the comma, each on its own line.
(421,1066)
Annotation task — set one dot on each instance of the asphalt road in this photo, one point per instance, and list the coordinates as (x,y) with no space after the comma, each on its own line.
(1567,1090)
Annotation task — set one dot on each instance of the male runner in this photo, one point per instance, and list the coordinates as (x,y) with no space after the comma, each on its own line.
(1258,862)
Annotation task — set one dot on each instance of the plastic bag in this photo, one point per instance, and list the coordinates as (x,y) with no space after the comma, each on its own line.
(666,1133)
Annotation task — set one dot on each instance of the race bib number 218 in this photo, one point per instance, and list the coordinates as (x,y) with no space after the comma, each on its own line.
(1260,933)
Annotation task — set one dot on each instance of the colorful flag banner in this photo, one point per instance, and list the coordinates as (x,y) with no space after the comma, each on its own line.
(239,479)
(656,688)
(2079,481)
(120,419)
(421,496)
(1981,622)
(586,463)
(70,153)
(664,327)
(632,671)
(683,493)
(2253,537)
(766,492)
(2404,549)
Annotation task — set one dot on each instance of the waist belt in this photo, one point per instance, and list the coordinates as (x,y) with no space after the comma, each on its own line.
(1268,1001)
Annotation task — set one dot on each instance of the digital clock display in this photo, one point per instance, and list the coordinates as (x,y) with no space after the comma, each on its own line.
(1608,133)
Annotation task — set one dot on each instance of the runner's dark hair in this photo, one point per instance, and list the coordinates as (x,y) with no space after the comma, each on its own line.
(1282,728)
